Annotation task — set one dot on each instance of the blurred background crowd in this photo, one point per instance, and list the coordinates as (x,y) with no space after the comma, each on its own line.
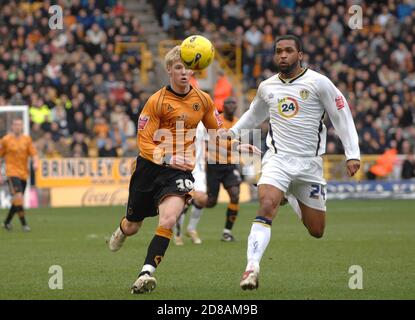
(85,99)
(374,67)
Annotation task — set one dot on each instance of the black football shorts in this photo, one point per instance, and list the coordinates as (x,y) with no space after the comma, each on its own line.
(227,174)
(150,184)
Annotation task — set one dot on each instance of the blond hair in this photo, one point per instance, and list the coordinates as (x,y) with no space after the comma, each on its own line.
(172,56)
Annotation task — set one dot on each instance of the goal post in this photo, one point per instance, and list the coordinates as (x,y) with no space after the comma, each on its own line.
(7,114)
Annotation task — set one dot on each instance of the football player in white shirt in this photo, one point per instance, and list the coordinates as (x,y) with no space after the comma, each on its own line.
(295,101)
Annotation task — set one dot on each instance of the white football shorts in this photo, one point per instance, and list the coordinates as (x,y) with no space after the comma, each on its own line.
(298,176)
(199,174)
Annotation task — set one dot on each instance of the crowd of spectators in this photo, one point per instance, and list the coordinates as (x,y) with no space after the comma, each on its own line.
(374,66)
(84,97)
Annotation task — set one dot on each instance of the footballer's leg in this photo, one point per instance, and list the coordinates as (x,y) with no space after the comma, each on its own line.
(12,211)
(311,202)
(20,187)
(231,212)
(20,210)
(269,199)
(125,229)
(18,202)
(16,191)
(139,206)
(199,201)
(314,220)
(178,229)
(231,180)
(213,186)
(169,210)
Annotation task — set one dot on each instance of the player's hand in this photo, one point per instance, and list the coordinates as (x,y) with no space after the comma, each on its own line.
(352,167)
(181,163)
(248,148)
(223,133)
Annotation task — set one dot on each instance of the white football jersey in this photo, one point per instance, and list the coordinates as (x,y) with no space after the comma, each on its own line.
(200,146)
(296,109)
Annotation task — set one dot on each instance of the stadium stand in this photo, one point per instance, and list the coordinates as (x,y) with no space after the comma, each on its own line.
(77,81)
(373,67)
(81,92)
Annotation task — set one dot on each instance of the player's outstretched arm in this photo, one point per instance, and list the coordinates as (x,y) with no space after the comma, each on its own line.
(257,113)
(341,117)
(248,149)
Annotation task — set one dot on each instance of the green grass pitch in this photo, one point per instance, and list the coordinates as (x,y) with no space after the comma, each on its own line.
(377,235)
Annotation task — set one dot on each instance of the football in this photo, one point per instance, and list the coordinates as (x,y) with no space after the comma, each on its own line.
(197,52)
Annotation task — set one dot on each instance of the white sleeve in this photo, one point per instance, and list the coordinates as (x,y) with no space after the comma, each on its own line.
(339,112)
(257,113)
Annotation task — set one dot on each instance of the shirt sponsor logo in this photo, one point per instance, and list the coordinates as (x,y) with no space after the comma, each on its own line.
(288,107)
(339,102)
(218,119)
(142,122)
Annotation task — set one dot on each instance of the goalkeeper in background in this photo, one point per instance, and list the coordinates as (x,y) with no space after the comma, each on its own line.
(16,148)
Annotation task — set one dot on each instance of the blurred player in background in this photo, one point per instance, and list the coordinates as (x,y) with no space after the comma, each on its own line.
(16,148)
(295,101)
(199,194)
(223,171)
(162,179)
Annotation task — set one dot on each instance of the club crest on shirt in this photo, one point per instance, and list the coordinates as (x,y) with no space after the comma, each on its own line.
(196,107)
(288,107)
(304,94)
(170,108)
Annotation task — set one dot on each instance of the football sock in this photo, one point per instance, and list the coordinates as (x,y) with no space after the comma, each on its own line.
(231,214)
(179,225)
(158,247)
(196,213)
(122,220)
(20,212)
(22,221)
(258,241)
(12,211)
(147,268)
